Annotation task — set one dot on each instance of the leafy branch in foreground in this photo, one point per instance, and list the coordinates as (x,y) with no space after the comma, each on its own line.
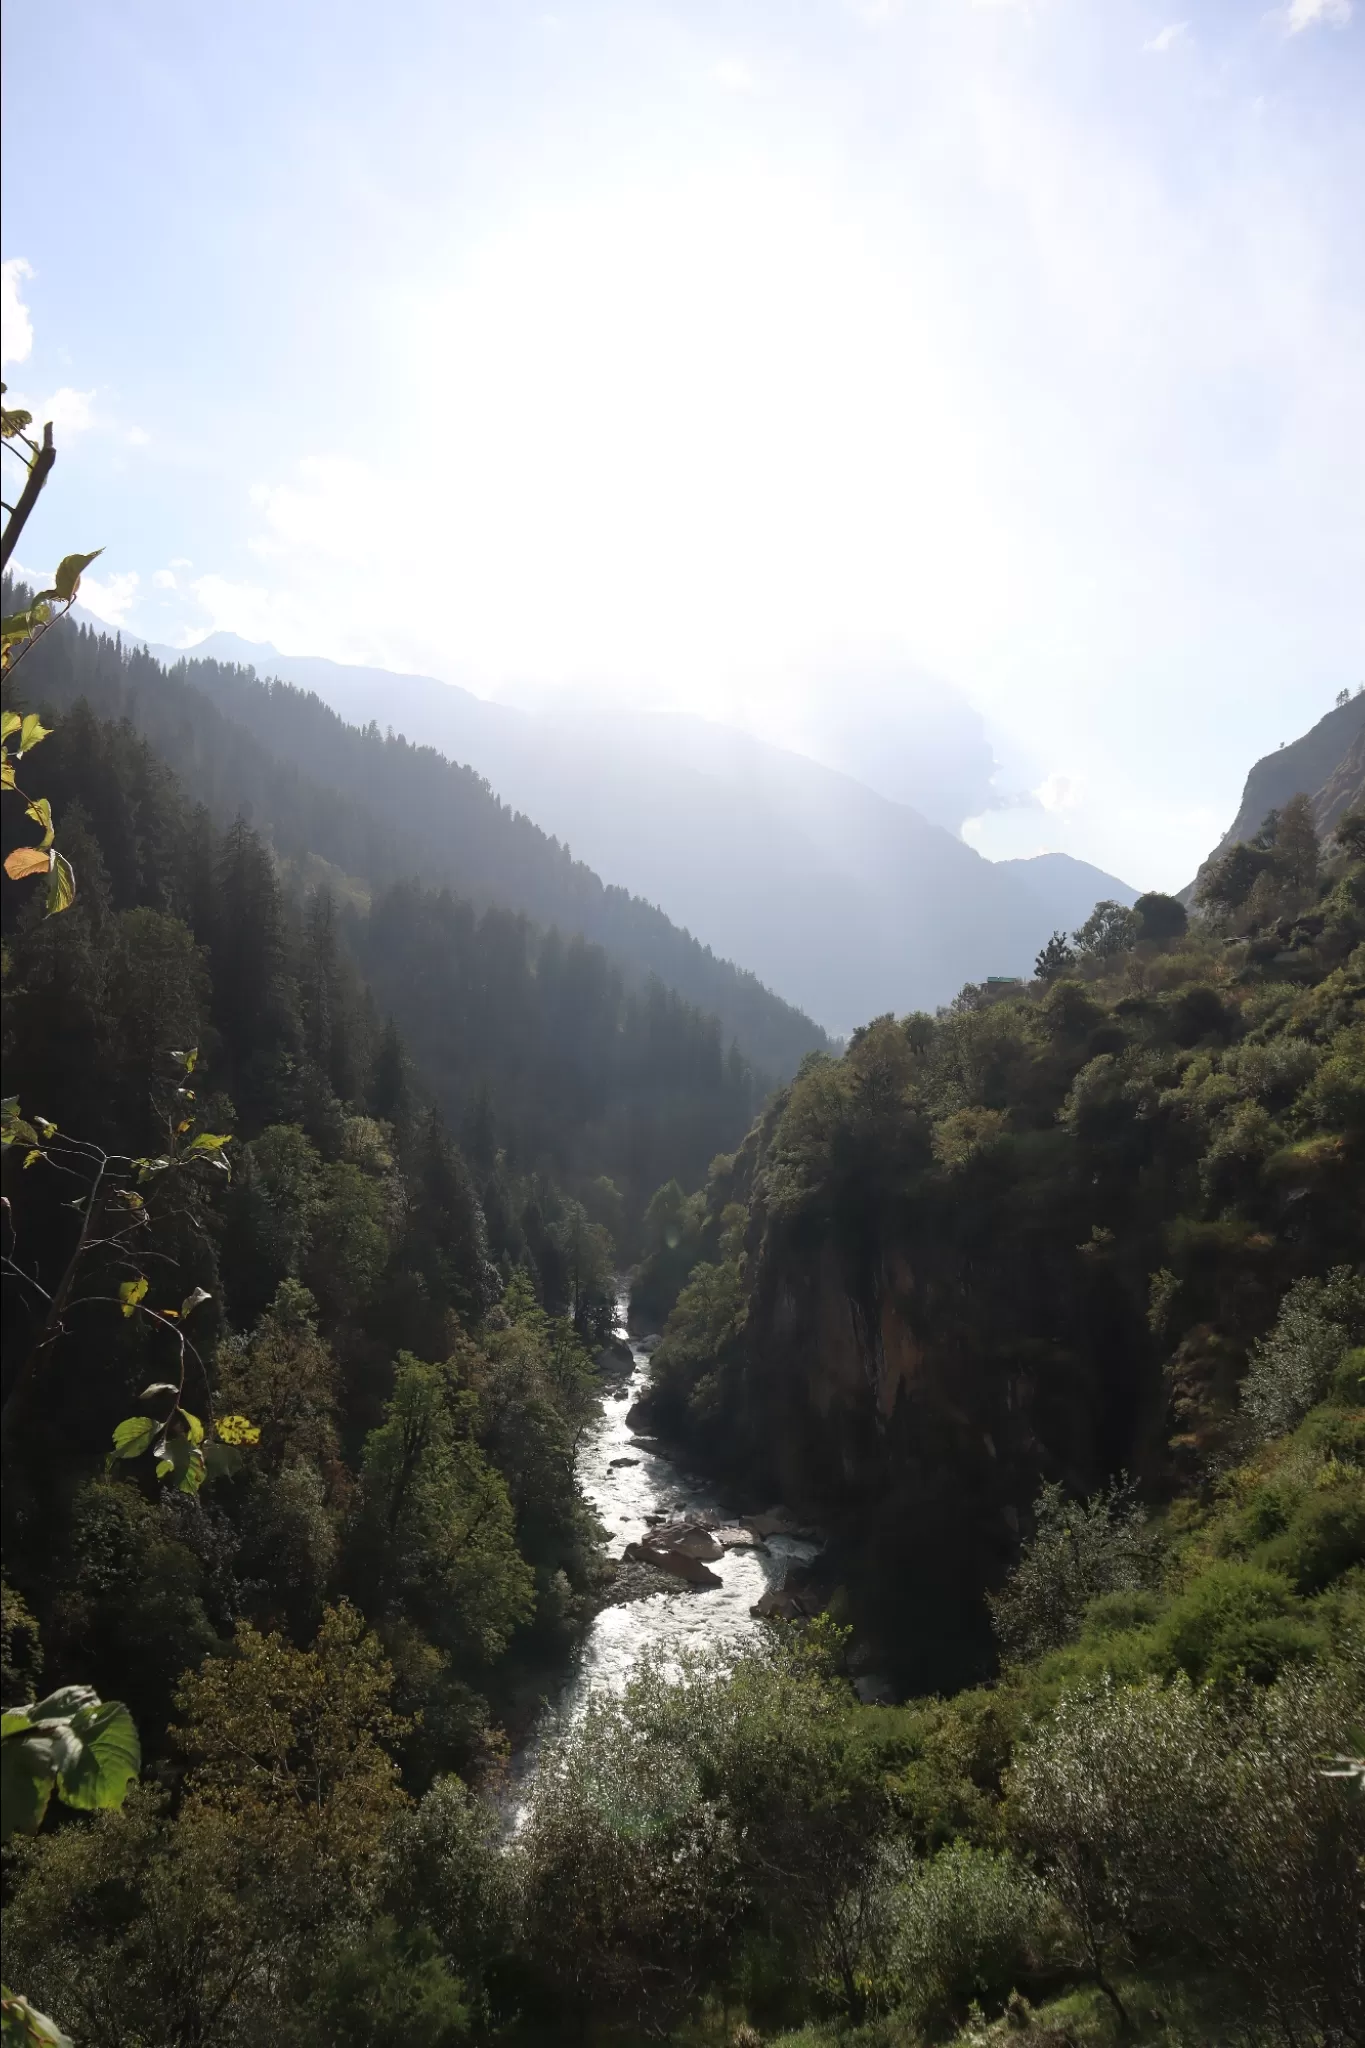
(83,1748)
(116,1224)
(18,633)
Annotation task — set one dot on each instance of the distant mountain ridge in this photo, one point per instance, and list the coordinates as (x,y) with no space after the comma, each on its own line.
(382,810)
(845,902)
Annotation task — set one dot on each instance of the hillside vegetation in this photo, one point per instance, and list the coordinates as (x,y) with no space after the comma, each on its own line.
(380,810)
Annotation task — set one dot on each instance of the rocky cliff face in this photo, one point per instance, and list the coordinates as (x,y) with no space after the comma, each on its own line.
(1327,764)
(886,1387)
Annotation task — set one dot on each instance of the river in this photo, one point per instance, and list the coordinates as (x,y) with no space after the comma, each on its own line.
(626,1485)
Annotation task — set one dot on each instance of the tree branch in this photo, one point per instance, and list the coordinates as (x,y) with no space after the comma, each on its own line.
(39,470)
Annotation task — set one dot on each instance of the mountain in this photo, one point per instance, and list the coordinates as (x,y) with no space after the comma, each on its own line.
(1071,888)
(376,810)
(848,903)
(1327,763)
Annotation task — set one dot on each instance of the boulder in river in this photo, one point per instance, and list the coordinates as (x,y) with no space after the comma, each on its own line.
(780,1521)
(614,1462)
(794,1600)
(675,1561)
(688,1538)
(734,1536)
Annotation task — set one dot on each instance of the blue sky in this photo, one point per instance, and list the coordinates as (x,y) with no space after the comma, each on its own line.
(739,357)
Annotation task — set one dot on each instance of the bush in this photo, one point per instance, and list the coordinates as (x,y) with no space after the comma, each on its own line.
(1292,1368)
(971,1923)
(390,1989)
(1078,1551)
(1222,1610)
(1172,1826)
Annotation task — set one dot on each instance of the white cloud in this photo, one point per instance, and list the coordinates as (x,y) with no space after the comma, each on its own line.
(1302,14)
(731,75)
(164,579)
(16,329)
(69,411)
(1166,38)
(110,597)
(1058,793)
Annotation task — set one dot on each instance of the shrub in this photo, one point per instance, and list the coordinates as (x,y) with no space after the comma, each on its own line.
(1078,1551)
(1221,1610)
(971,1923)
(1292,1368)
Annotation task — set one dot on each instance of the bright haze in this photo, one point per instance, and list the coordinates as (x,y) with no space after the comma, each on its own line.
(880,378)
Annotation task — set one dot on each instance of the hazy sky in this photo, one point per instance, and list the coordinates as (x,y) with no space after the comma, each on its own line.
(741,357)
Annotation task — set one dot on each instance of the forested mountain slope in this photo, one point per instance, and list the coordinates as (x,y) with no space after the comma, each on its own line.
(380,809)
(842,900)
(1034,1236)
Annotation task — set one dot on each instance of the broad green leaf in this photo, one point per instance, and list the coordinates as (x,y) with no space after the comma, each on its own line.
(10,721)
(192,1301)
(27,1772)
(67,580)
(61,889)
(131,1293)
(62,1704)
(46,1126)
(15,1721)
(132,1437)
(23,2026)
(109,1758)
(194,1426)
(207,1142)
(184,1461)
(186,1059)
(158,1387)
(32,731)
(40,810)
(15,420)
(7,780)
(25,861)
(30,1157)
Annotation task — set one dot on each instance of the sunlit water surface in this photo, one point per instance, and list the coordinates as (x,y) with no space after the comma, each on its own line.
(663,1624)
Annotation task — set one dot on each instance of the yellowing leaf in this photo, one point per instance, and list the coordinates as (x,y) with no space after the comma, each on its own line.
(131,1293)
(25,861)
(67,580)
(40,810)
(235,1429)
(61,890)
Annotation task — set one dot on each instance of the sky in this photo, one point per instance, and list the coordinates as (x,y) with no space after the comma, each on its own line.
(784,362)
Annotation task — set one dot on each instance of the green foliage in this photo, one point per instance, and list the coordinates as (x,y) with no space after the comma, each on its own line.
(436,1527)
(390,1989)
(1292,1368)
(1108,930)
(970,1924)
(72,1743)
(1160,919)
(1079,1550)
(1057,957)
